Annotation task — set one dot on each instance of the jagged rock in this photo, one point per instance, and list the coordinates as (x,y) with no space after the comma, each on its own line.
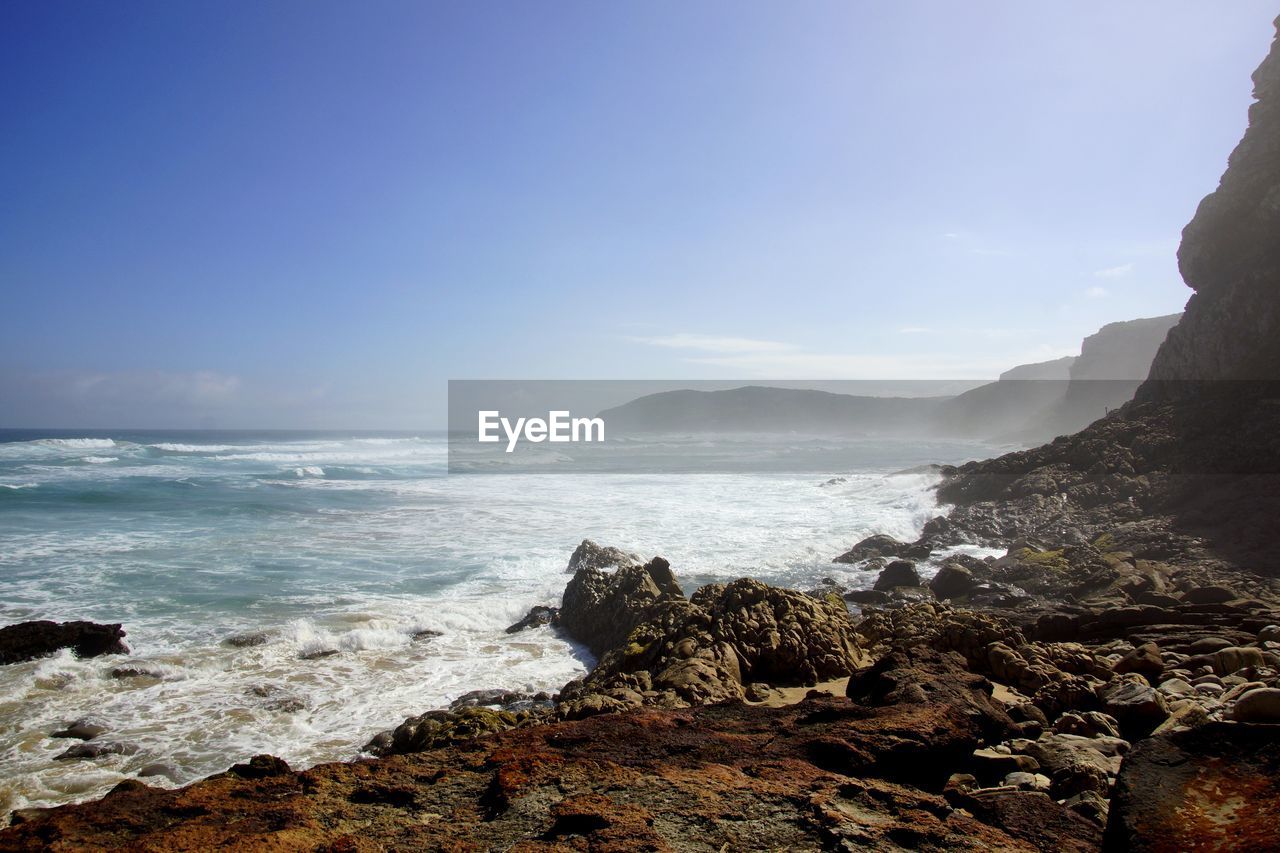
(1087,724)
(247,640)
(898,573)
(1135,704)
(439,728)
(535,618)
(29,640)
(95,749)
(589,555)
(600,609)
(883,546)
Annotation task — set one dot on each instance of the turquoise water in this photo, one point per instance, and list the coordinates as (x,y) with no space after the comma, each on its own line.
(352,544)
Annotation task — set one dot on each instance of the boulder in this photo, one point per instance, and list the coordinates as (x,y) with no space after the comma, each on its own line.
(1212,787)
(439,728)
(1235,658)
(880,545)
(1260,705)
(1209,595)
(30,640)
(952,581)
(1135,704)
(1145,659)
(898,573)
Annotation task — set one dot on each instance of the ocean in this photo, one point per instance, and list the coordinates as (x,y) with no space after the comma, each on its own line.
(353,543)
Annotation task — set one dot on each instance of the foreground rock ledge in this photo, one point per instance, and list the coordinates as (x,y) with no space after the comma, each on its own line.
(823,774)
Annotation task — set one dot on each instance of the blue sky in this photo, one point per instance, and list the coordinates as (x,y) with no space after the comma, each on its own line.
(314,214)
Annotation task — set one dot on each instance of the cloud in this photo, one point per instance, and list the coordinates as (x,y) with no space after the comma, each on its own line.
(1114,272)
(1097,293)
(913,330)
(715,343)
(951,235)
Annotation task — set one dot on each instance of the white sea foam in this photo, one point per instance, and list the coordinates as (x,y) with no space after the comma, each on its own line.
(99,460)
(309,471)
(78,443)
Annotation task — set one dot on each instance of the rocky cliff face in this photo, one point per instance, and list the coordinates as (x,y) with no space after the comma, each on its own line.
(1230,257)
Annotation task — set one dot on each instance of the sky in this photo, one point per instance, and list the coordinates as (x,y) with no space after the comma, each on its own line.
(314,214)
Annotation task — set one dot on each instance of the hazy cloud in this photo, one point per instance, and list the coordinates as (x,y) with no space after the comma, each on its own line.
(913,330)
(715,343)
(1097,293)
(1114,272)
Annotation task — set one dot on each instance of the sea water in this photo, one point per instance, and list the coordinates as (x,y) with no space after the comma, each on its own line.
(335,550)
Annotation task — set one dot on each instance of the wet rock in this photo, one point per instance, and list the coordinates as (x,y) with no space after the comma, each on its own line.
(490,698)
(285,705)
(261,767)
(426,634)
(80,730)
(1213,787)
(1260,705)
(30,640)
(95,749)
(168,771)
(247,640)
(896,574)
(883,546)
(127,672)
(590,555)
(535,618)
(867,596)
(318,654)
(439,728)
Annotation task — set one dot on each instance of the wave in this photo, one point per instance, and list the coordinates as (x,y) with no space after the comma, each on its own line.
(77,443)
(309,471)
(100,460)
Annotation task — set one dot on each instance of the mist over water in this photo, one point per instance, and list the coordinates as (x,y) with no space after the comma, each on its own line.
(352,544)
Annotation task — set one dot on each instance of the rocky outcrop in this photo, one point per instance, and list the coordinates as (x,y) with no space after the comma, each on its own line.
(601,608)
(29,640)
(711,647)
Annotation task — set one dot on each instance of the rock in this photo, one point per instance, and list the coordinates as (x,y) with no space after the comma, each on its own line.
(1235,658)
(318,654)
(93,749)
(589,555)
(952,581)
(1135,705)
(880,545)
(1088,724)
(1027,781)
(988,764)
(1032,816)
(757,691)
(159,769)
(1269,634)
(535,618)
(285,705)
(1209,595)
(125,672)
(29,640)
(1208,645)
(1090,805)
(1260,705)
(601,609)
(867,596)
(488,698)
(1145,659)
(247,640)
(1213,787)
(439,728)
(80,730)
(898,573)
(425,634)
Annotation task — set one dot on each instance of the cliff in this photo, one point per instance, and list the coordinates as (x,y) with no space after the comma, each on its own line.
(1230,257)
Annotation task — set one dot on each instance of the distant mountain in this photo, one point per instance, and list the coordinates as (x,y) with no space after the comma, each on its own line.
(756,408)
(1029,402)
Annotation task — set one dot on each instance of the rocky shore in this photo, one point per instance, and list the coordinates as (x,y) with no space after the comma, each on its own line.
(1111,682)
